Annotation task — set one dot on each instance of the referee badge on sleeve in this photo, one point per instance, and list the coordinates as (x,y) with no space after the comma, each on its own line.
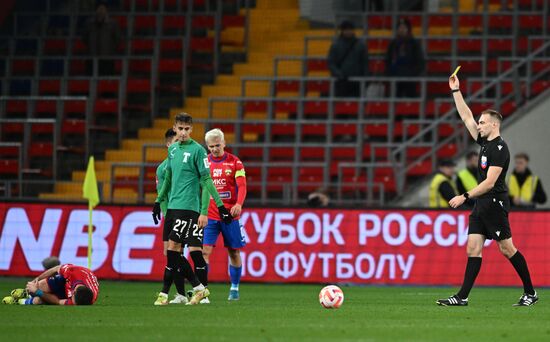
(483,162)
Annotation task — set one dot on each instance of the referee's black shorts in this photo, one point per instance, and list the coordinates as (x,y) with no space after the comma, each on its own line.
(489,217)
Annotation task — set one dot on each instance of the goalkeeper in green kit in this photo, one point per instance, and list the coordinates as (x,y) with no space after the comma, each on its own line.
(187,171)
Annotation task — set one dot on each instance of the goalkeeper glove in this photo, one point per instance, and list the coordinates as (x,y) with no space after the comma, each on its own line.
(156,212)
(225,215)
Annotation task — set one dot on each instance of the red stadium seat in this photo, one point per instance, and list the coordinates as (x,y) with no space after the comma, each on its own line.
(9,168)
(107,88)
(73,127)
(251,154)
(317,65)
(55,47)
(171,47)
(173,25)
(407,108)
(438,46)
(203,21)
(145,25)
(42,149)
(348,108)
(78,87)
(16,108)
(106,106)
(233,21)
(142,46)
(377,108)
(469,46)
(281,154)
(79,48)
(321,86)
(23,67)
(287,86)
(74,108)
(46,108)
(202,44)
(380,22)
(312,154)
(286,106)
(378,45)
(49,87)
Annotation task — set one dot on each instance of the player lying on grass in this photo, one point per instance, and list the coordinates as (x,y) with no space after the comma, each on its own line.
(60,285)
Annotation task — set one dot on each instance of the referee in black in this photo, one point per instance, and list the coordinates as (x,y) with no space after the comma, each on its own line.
(489,217)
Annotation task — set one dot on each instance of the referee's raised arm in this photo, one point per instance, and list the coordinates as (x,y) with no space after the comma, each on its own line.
(462,108)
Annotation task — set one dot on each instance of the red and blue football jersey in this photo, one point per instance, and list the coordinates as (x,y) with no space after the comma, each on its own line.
(224,172)
(77,275)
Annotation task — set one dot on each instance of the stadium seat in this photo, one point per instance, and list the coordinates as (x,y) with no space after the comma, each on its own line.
(45,109)
(55,47)
(173,25)
(49,87)
(143,47)
(107,88)
(281,154)
(23,67)
(78,87)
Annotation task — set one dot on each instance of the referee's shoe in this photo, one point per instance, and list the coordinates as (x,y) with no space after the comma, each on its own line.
(453,300)
(527,299)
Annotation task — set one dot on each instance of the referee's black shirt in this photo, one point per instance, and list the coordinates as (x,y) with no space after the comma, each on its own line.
(493,153)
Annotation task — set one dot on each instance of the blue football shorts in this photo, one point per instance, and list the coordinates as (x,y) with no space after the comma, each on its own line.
(233,234)
(56,284)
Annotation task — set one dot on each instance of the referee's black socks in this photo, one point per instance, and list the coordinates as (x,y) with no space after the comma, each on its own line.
(520,265)
(472,269)
(201,269)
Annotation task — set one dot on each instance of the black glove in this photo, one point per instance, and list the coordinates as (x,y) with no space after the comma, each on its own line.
(156,212)
(225,215)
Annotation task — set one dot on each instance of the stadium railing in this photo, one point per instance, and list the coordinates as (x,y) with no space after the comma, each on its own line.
(11,164)
(495,85)
(35,150)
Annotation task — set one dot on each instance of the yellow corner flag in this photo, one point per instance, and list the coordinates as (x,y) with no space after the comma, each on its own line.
(89,188)
(89,192)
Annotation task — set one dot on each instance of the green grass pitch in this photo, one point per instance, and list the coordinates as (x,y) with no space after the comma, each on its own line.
(124,312)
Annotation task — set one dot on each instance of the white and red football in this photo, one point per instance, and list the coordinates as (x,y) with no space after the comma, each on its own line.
(331,297)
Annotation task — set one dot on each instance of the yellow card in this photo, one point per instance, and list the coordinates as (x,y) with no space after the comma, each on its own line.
(456,71)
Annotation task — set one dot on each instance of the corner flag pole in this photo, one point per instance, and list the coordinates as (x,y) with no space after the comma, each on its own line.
(90,192)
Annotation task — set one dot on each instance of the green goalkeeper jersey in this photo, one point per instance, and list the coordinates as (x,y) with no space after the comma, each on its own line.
(161,172)
(187,163)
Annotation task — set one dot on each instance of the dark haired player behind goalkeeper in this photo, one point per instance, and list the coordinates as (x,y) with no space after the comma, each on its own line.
(187,171)
(489,217)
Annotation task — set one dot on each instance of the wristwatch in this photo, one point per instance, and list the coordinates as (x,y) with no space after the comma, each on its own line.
(466,195)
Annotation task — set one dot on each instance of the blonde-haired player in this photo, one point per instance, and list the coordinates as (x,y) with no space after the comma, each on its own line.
(229,177)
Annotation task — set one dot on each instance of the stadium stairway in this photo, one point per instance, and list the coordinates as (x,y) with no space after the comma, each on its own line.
(275,29)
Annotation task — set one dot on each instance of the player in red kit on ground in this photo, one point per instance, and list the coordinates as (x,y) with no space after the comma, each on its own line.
(229,177)
(60,285)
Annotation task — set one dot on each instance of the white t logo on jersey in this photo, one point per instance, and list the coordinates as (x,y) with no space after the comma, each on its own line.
(186,155)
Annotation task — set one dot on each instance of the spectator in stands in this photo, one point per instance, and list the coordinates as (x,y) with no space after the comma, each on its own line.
(347,58)
(318,198)
(405,58)
(102,37)
(466,178)
(442,188)
(525,188)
